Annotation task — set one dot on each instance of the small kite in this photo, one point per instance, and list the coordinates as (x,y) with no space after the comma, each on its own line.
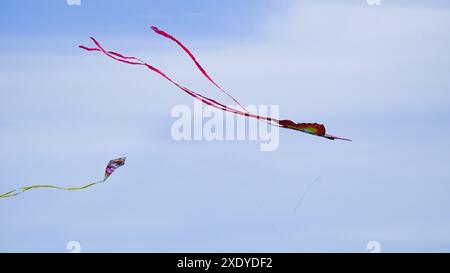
(110,168)
(310,128)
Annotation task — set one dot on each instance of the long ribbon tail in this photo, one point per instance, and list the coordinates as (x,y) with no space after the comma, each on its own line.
(24,189)
(110,52)
(208,101)
(199,66)
(310,128)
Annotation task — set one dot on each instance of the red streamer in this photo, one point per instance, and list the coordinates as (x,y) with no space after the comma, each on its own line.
(202,70)
(310,128)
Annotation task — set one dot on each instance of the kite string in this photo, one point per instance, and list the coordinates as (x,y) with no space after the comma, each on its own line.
(305,192)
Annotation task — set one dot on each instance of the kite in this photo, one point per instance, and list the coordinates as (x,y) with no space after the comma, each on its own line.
(309,128)
(110,168)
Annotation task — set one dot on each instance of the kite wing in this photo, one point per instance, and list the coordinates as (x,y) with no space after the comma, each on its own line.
(110,168)
(310,128)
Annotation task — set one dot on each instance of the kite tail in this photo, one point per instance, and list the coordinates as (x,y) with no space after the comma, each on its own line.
(310,128)
(24,189)
(203,99)
(10,194)
(202,70)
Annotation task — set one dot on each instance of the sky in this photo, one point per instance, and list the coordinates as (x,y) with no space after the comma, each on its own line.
(375,74)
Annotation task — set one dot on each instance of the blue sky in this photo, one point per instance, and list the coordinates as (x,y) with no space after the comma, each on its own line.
(378,75)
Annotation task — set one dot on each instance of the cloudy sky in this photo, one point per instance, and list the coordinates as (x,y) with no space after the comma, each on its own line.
(375,74)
